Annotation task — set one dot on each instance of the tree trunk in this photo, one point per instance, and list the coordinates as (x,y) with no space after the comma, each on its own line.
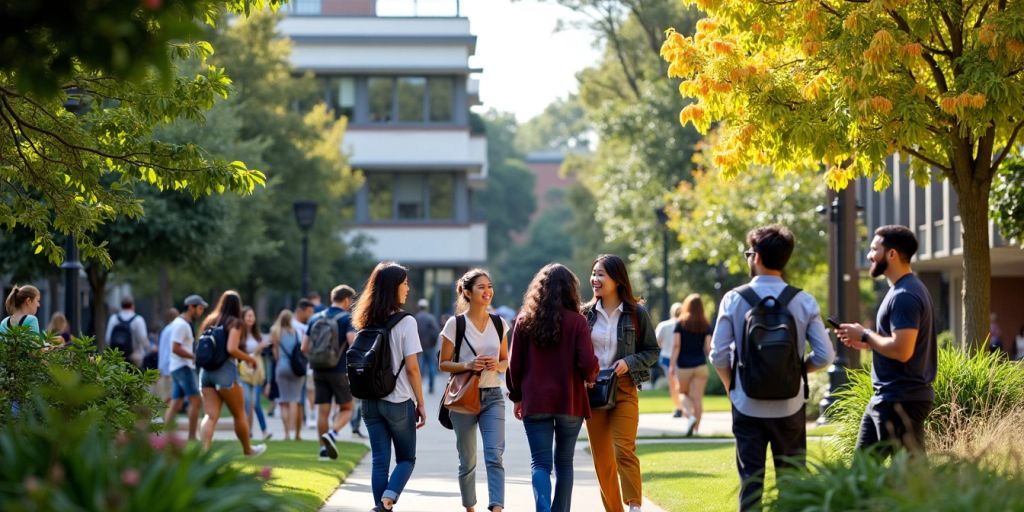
(98,287)
(977,263)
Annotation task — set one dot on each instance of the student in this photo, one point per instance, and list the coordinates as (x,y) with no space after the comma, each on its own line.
(758,422)
(181,364)
(623,338)
(482,350)
(286,341)
(903,351)
(22,304)
(664,333)
(220,386)
(392,421)
(254,346)
(551,364)
(690,348)
(59,327)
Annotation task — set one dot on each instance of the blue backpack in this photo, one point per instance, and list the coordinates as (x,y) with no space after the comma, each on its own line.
(212,348)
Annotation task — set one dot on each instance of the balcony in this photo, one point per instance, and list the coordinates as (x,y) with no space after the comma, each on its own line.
(379,8)
(416,149)
(458,245)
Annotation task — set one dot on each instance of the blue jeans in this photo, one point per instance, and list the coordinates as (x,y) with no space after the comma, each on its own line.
(563,429)
(390,424)
(428,365)
(252,396)
(492,427)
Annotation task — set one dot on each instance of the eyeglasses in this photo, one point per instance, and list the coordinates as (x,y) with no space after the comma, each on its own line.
(748,253)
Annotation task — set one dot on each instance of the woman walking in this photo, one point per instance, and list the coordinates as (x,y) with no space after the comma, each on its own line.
(286,341)
(254,346)
(392,421)
(690,355)
(551,365)
(59,327)
(482,349)
(624,341)
(220,386)
(22,304)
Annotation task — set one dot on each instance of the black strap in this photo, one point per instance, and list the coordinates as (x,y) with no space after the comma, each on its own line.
(498,326)
(748,294)
(390,324)
(460,335)
(123,321)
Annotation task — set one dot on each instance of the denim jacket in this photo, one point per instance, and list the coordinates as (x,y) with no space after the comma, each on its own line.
(639,351)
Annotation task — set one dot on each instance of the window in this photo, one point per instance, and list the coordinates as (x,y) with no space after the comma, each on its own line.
(381,92)
(341,95)
(411,197)
(411,99)
(442,96)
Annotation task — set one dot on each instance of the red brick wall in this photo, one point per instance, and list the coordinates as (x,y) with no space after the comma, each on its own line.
(1008,305)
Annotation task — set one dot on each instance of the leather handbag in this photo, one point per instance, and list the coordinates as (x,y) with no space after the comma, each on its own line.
(250,375)
(462,392)
(602,395)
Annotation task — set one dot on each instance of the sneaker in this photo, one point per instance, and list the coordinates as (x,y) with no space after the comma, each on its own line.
(635,508)
(323,455)
(332,450)
(678,413)
(267,436)
(691,421)
(258,450)
(359,434)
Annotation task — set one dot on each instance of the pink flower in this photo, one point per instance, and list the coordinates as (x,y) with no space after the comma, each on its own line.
(177,441)
(265,473)
(130,477)
(158,442)
(152,4)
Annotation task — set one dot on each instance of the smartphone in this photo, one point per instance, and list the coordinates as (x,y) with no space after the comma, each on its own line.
(833,322)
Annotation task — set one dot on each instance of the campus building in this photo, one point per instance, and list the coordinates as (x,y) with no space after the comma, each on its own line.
(399,71)
(933,215)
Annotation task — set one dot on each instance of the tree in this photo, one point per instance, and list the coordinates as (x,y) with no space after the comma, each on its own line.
(844,85)
(1007,207)
(561,127)
(508,200)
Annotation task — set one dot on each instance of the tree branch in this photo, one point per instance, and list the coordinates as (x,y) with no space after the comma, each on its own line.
(1009,146)
(917,154)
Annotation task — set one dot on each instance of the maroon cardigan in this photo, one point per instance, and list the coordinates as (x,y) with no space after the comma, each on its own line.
(549,380)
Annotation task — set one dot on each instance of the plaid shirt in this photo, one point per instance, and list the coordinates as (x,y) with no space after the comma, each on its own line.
(639,356)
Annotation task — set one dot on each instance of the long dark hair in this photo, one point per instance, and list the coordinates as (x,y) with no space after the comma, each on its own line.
(465,284)
(553,289)
(227,312)
(380,295)
(616,269)
(692,316)
(255,331)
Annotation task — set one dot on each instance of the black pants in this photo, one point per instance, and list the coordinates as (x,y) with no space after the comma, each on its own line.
(895,425)
(788,439)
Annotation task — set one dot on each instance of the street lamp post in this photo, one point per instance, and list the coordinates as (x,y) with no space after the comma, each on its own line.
(663,222)
(72,267)
(305,215)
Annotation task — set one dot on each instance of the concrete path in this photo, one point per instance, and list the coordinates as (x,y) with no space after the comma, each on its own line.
(434,485)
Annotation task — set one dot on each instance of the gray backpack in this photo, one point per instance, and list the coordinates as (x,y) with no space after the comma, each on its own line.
(325,343)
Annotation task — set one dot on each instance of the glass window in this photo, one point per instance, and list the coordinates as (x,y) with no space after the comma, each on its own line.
(341,95)
(411,91)
(381,196)
(381,96)
(409,196)
(442,196)
(442,98)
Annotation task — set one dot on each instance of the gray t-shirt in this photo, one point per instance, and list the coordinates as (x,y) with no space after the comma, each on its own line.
(907,305)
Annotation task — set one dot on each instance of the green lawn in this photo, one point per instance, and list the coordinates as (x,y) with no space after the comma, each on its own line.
(657,400)
(698,476)
(296,472)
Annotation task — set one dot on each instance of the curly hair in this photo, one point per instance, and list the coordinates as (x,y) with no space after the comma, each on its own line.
(553,289)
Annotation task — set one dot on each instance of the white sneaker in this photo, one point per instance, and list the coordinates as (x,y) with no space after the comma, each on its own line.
(636,508)
(691,421)
(258,450)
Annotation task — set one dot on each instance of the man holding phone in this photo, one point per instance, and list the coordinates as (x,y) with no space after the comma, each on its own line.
(905,348)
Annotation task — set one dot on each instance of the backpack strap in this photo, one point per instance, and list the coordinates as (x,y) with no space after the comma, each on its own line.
(22,321)
(460,332)
(498,326)
(753,299)
(749,295)
(788,294)
(390,324)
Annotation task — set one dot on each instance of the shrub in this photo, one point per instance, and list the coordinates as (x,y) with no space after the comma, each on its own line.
(967,387)
(62,455)
(125,396)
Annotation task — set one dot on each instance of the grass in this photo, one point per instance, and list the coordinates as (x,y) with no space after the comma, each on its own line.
(658,401)
(699,476)
(296,473)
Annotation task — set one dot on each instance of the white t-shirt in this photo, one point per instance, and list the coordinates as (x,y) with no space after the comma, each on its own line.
(605,334)
(251,344)
(486,343)
(405,341)
(181,334)
(666,334)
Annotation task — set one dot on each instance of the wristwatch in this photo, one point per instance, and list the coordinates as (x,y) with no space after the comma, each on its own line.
(864,335)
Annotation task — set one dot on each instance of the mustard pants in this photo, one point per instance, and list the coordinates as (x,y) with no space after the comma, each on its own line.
(612,434)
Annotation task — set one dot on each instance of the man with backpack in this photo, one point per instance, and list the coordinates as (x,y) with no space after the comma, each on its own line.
(126,332)
(903,350)
(758,349)
(328,336)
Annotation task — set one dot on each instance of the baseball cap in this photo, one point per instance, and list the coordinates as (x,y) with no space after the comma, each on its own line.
(195,300)
(423,303)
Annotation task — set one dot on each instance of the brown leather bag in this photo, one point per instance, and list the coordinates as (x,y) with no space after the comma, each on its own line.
(462,393)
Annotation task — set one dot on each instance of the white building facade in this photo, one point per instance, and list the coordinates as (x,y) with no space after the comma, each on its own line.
(405,85)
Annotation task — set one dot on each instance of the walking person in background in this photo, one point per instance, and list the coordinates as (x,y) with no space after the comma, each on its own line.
(254,345)
(664,333)
(165,384)
(429,331)
(286,341)
(768,401)
(904,351)
(304,310)
(690,348)
(483,349)
(126,332)
(59,326)
(22,304)
(623,338)
(220,386)
(392,420)
(551,364)
(181,363)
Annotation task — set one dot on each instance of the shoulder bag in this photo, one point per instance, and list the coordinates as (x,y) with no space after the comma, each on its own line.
(462,393)
(602,395)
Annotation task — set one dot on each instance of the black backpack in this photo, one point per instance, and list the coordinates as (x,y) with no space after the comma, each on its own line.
(769,364)
(212,348)
(368,361)
(121,336)
(326,341)
(297,359)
